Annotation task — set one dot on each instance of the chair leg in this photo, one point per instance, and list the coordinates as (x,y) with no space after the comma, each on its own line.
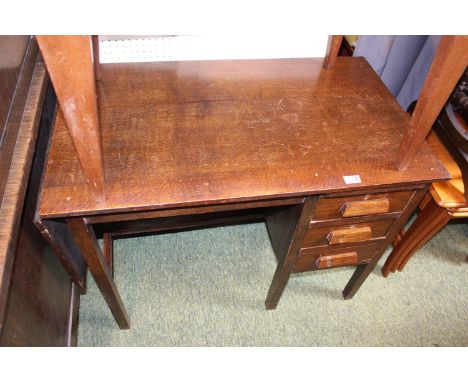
(431,220)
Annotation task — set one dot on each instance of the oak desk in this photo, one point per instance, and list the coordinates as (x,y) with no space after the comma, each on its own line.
(209,142)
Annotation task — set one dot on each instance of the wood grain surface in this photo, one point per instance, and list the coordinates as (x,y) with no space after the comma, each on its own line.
(195,133)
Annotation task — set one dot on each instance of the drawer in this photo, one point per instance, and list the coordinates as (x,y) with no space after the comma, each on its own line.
(348,233)
(361,205)
(330,258)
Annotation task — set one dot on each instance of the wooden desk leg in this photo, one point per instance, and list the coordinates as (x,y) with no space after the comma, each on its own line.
(364,270)
(87,242)
(284,268)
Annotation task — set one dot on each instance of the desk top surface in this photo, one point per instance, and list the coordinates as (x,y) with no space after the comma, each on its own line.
(205,132)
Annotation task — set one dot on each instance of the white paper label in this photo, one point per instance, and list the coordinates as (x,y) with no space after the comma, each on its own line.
(352,179)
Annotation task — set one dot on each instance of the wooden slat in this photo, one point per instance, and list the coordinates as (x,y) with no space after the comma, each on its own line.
(333,47)
(70,64)
(449,62)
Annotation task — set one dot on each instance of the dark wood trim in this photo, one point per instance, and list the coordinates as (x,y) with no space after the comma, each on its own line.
(292,248)
(137,215)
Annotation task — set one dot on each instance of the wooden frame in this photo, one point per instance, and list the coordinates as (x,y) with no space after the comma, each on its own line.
(69,60)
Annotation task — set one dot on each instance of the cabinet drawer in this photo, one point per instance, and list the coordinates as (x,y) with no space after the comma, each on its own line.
(348,233)
(361,205)
(322,259)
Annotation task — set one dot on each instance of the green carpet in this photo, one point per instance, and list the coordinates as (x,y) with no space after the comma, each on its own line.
(207,288)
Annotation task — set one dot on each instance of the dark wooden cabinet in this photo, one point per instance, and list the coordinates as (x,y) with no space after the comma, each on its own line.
(38,303)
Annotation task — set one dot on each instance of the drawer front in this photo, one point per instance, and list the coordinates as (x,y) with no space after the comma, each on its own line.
(361,205)
(348,233)
(323,259)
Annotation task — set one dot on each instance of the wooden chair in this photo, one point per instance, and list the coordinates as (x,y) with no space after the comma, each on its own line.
(444,201)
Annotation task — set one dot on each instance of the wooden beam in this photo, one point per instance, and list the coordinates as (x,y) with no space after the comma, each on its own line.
(450,60)
(333,47)
(69,61)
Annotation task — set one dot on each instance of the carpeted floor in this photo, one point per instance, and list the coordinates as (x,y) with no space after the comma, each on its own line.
(207,288)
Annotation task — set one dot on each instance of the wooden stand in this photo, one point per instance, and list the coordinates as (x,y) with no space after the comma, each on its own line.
(195,143)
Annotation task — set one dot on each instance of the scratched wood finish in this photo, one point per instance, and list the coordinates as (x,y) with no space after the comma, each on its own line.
(198,133)
(69,62)
(449,63)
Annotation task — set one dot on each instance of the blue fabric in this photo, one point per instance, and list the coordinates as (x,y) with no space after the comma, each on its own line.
(375,50)
(410,90)
(402,56)
(402,62)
